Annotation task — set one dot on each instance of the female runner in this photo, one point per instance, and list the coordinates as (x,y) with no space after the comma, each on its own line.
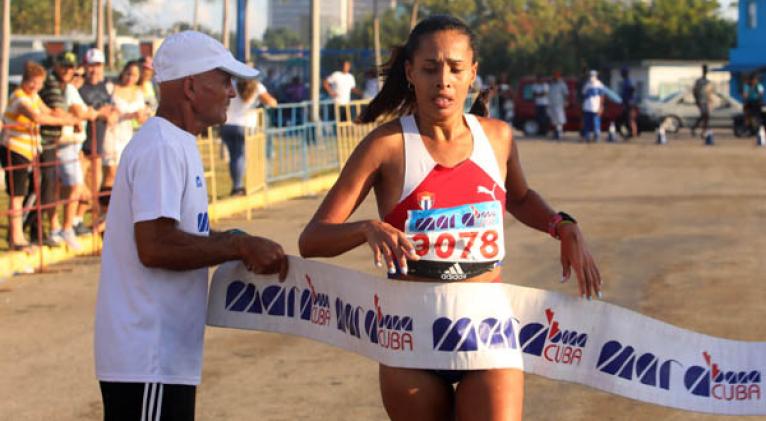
(437,161)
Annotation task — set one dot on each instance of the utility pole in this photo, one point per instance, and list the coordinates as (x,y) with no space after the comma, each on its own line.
(112,35)
(195,22)
(247,33)
(242,47)
(5,48)
(56,17)
(414,15)
(376,40)
(315,61)
(225,25)
(100,24)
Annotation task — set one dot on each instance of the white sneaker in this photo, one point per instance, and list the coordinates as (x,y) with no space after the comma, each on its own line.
(54,239)
(70,238)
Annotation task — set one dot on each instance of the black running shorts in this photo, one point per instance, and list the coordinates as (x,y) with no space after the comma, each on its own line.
(148,401)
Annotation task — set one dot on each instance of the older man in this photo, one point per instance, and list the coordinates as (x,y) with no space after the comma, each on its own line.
(150,312)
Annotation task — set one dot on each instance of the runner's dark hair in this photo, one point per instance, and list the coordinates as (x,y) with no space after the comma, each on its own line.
(396,97)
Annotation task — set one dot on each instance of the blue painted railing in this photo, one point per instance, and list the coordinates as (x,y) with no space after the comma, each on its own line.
(297,148)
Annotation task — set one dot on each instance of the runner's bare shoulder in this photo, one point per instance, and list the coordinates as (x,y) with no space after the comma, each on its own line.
(384,142)
(499,133)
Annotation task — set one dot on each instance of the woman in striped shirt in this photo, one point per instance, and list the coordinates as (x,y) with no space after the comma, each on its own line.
(21,144)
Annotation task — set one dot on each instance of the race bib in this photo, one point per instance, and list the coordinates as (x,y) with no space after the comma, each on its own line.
(471,233)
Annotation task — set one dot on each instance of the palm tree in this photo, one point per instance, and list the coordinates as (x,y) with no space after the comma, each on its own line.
(225,24)
(195,21)
(414,16)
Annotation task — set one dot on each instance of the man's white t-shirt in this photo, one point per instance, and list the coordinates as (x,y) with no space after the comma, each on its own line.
(558,93)
(540,91)
(342,84)
(150,322)
(70,134)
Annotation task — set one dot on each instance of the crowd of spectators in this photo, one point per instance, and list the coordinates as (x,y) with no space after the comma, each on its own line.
(63,132)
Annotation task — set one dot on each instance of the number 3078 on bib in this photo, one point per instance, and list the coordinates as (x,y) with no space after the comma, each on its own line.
(468,233)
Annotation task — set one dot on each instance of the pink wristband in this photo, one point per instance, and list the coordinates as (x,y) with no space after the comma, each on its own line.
(552,224)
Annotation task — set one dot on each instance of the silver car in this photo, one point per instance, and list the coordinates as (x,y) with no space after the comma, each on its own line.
(679,110)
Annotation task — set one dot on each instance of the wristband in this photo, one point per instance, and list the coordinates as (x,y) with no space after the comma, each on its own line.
(552,223)
(556,220)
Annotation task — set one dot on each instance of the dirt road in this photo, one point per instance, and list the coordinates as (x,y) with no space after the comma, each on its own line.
(679,232)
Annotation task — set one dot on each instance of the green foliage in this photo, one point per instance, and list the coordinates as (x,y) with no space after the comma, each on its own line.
(36,16)
(281,38)
(394,27)
(523,37)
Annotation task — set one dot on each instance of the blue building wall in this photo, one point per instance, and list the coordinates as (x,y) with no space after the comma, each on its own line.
(750,54)
(751,35)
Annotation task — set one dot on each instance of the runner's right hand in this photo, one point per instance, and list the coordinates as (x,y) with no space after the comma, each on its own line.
(390,244)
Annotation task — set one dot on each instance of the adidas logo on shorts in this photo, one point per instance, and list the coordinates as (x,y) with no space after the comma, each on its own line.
(454,272)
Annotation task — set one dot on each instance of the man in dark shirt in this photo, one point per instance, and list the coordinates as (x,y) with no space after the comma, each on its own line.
(629,112)
(95,92)
(52,94)
(703,94)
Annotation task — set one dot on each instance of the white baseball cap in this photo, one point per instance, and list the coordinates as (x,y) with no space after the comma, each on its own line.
(190,52)
(94,56)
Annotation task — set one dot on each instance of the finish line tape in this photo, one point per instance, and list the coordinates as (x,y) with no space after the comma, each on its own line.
(480,325)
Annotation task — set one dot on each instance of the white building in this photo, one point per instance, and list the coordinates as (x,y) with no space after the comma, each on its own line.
(657,78)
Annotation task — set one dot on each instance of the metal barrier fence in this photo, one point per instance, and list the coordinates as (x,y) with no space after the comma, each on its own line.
(37,208)
(282,145)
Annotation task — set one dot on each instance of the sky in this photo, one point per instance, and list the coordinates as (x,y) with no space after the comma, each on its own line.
(727,10)
(163,13)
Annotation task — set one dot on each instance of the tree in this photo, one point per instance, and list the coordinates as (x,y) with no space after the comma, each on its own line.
(523,37)
(36,16)
(281,38)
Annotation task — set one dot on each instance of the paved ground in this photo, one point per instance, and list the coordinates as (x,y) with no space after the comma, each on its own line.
(678,231)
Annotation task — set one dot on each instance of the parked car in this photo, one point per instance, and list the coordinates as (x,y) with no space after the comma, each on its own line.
(524,107)
(679,110)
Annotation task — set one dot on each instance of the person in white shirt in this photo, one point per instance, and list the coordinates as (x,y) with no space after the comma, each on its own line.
(540,94)
(558,94)
(241,114)
(592,107)
(152,296)
(70,171)
(339,85)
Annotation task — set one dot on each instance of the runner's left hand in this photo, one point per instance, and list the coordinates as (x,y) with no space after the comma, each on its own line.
(576,256)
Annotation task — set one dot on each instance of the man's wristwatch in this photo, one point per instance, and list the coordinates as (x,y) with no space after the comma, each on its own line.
(558,219)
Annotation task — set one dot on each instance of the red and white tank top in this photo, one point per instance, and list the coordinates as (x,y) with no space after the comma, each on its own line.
(453,216)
